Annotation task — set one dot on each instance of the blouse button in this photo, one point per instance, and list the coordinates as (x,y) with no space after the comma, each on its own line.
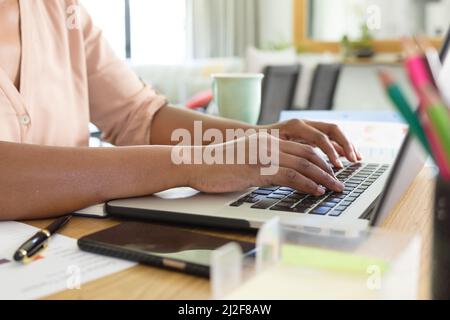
(25,120)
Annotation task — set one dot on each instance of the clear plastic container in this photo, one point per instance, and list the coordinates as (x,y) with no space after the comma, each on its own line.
(293,262)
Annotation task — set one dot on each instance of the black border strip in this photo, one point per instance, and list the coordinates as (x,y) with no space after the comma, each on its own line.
(127,29)
(177,218)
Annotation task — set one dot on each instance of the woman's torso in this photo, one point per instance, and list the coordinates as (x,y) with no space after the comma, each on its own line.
(44,96)
(10,48)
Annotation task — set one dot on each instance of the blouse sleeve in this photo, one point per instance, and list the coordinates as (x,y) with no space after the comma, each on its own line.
(121,105)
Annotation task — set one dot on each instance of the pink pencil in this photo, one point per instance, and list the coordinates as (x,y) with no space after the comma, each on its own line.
(420,76)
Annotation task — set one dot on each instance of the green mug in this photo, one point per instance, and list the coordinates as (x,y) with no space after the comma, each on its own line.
(238,96)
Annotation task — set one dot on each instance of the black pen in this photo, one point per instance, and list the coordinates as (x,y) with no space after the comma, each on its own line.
(38,242)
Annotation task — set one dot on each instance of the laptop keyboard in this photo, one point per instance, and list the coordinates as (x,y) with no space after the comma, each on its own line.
(356,177)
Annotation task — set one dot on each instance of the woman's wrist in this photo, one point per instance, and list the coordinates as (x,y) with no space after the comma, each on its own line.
(181,172)
(193,170)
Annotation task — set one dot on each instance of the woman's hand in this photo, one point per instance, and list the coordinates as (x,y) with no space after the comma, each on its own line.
(328,137)
(298,166)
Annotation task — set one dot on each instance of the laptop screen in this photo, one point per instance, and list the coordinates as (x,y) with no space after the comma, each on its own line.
(410,160)
(444,77)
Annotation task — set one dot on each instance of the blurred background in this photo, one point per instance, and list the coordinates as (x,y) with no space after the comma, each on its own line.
(324,53)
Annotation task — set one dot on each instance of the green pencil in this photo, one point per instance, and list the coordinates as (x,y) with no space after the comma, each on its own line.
(403,106)
(439,116)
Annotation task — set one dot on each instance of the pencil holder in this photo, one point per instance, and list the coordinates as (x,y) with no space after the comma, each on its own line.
(441,242)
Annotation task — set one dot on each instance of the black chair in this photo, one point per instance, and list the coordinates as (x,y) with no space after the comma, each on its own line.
(279,87)
(323,87)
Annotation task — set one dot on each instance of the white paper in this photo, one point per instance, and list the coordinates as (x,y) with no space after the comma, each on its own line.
(378,136)
(377,142)
(61,267)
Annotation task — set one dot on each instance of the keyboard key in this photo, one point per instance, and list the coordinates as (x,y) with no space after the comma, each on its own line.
(337,196)
(334,200)
(345,203)
(295,197)
(286,189)
(328,204)
(320,211)
(279,208)
(316,199)
(308,202)
(285,204)
(251,199)
(265,204)
(285,193)
(304,203)
(262,192)
(336,213)
(351,184)
(237,204)
(300,209)
(341,208)
(276,196)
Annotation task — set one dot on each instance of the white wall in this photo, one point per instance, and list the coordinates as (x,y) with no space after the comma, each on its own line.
(332,19)
(359,89)
(437,14)
(275,21)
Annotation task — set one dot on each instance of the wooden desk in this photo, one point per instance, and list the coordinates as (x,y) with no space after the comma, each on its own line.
(413,214)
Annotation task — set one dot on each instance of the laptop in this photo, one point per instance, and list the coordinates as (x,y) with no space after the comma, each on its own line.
(370,188)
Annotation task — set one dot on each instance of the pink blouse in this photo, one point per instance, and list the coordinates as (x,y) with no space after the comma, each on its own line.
(69,77)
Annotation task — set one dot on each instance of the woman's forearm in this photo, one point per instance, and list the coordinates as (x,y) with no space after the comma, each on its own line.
(39,181)
(169,119)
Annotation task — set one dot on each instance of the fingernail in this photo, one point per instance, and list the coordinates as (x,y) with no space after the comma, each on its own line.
(321,191)
(340,185)
(359,154)
(354,158)
(340,164)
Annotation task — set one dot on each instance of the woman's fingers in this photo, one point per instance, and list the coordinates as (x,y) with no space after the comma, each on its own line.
(321,140)
(307,152)
(336,134)
(358,154)
(341,151)
(338,148)
(311,171)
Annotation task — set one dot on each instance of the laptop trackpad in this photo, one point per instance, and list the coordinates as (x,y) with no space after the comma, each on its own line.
(177,193)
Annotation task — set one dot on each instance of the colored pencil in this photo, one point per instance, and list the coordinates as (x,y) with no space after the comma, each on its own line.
(403,106)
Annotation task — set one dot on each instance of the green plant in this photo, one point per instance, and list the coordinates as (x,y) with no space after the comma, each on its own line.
(278,46)
(360,47)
